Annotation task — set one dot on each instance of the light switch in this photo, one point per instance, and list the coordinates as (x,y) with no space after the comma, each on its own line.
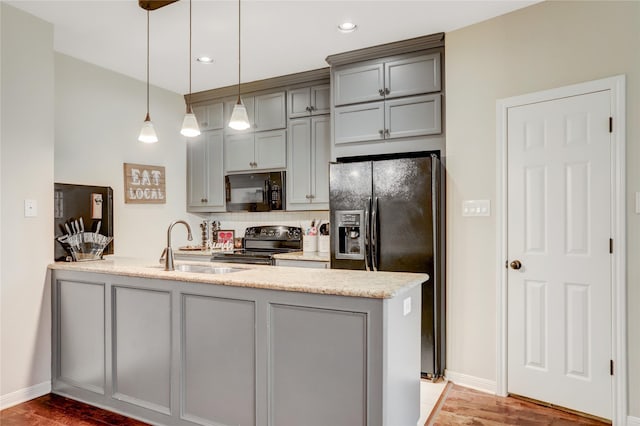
(476,208)
(30,208)
(406,305)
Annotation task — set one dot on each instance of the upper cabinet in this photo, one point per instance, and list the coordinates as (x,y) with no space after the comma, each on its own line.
(205,176)
(307,101)
(387,99)
(255,151)
(266,112)
(210,117)
(375,81)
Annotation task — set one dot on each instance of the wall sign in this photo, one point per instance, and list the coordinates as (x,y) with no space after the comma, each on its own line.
(144,184)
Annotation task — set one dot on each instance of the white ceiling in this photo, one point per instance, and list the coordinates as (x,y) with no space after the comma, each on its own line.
(278,37)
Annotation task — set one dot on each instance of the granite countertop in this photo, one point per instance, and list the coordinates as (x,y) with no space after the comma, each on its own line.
(304,255)
(341,282)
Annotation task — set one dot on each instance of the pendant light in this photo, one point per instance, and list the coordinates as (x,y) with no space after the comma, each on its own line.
(239,118)
(190,126)
(148,133)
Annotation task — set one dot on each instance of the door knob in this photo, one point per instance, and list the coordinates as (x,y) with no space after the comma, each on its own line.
(516,264)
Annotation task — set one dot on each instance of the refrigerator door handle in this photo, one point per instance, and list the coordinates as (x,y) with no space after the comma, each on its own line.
(374,235)
(367,236)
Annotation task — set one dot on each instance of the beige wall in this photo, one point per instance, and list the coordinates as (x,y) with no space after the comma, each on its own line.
(98,117)
(544,46)
(26,171)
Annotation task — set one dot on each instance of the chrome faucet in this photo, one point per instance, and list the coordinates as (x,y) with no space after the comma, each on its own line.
(167,254)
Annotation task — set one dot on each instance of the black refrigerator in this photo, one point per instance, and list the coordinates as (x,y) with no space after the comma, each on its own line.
(386,215)
(94,204)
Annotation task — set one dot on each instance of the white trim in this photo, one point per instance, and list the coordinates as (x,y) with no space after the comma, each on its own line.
(477,383)
(633,421)
(617,86)
(23,395)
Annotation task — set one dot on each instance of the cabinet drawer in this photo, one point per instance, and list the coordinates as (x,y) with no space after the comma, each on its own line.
(416,116)
(358,123)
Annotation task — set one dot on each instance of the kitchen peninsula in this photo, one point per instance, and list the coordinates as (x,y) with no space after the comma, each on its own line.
(263,345)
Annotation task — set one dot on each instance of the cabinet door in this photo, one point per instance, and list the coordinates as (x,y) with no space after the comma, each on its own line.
(320,100)
(414,116)
(299,102)
(210,117)
(300,168)
(196,171)
(271,149)
(80,355)
(248,102)
(412,76)
(321,155)
(270,112)
(353,84)
(358,123)
(238,152)
(205,172)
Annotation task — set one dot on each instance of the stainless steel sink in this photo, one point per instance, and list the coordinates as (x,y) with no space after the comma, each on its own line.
(205,269)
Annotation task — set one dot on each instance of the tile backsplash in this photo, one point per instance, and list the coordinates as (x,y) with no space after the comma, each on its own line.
(239,221)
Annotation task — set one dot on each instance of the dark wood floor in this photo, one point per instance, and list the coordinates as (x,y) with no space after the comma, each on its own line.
(457,406)
(463,406)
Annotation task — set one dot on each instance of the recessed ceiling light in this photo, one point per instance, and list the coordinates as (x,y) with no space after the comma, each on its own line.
(347,27)
(205,59)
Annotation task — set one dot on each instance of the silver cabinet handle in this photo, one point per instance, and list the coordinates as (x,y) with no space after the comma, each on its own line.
(386,133)
(381,132)
(308,109)
(386,91)
(312,108)
(381,92)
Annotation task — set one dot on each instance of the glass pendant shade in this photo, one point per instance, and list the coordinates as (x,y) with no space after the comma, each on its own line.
(148,133)
(239,118)
(190,126)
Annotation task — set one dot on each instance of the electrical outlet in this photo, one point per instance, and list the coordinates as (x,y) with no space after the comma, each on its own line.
(406,306)
(476,208)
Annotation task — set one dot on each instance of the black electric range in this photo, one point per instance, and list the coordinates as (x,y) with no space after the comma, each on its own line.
(260,243)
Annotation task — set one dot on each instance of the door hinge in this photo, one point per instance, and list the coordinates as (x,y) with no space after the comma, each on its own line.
(610,124)
(611,367)
(610,245)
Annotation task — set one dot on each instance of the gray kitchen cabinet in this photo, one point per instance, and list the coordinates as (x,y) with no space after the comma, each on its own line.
(389,119)
(255,151)
(306,101)
(205,173)
(302,339)
(218,349)
(266,112)
(413,75)
(142,347)
(313,264)
(210,117)
(79,310)
(309,152)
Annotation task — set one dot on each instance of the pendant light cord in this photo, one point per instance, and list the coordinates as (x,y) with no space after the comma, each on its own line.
(189,104)
(147,118)
(239,54)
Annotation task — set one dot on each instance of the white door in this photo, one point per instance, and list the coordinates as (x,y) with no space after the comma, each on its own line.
(559,226)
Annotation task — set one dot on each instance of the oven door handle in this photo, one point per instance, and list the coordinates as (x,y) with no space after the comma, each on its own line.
(374,235)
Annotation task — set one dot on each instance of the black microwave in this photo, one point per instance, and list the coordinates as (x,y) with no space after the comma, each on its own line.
(255,192)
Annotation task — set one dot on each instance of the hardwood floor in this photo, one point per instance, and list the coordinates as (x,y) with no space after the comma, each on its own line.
(457,406)
(54,410)
(463,406)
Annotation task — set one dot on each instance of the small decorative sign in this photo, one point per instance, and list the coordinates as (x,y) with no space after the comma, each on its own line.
(144,184)
(226,236)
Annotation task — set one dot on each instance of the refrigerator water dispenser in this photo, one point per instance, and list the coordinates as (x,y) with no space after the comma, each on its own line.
(350,238)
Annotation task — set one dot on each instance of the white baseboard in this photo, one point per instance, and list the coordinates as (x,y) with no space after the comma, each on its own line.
(23,395)
(633,421)
(477,383)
